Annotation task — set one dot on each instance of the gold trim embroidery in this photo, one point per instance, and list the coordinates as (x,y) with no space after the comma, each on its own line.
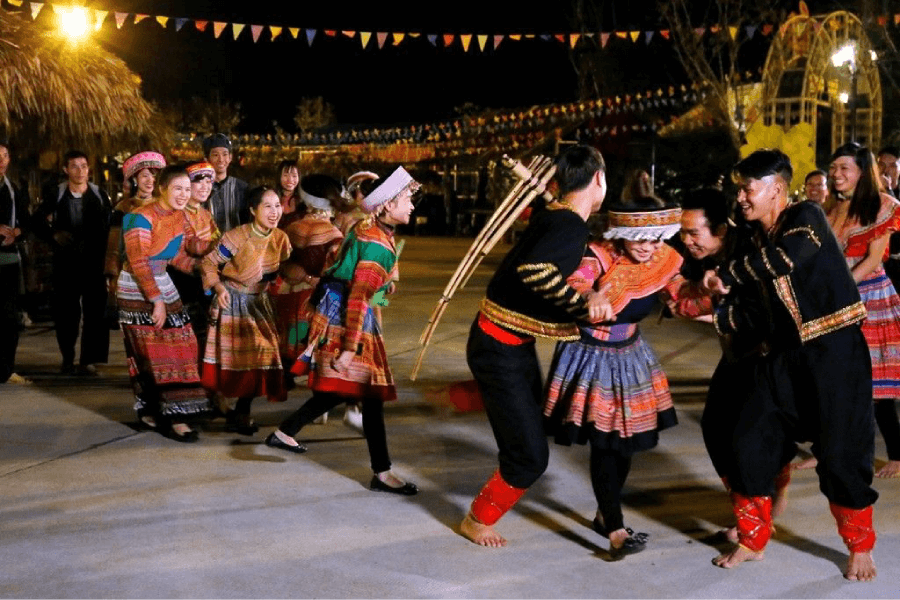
(836,320)
(731,317)
(765,259)
(809,231)
(552,283)
(785,291)
(528,325)
(750,269)
(734,274)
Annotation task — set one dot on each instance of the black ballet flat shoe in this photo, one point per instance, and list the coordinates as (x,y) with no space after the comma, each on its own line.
(189,437)
(407,489)
(634,543)
(235,424)
(273,442)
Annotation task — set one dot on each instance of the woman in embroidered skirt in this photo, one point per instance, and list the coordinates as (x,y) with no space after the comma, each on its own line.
(863,219)
(241,358)
(346,358)
(608,389)
(159,340)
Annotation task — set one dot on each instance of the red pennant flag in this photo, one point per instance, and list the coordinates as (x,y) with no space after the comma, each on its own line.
(897,19)
(448,39)
(767,28)
(330,32)
(560,37)
(882,20)
(664,33)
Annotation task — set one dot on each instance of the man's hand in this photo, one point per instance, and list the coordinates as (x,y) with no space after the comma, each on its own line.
(712,283)
(341,364)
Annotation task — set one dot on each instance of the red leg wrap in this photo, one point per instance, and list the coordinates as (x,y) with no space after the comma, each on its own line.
(495,498)
(754,520)
(783,478)
(855,526)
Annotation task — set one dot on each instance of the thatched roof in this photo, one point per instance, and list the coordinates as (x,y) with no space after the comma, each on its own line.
(57,95)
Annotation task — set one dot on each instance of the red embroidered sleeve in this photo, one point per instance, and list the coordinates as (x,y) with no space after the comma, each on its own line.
(687,298)
(368,278)
(137,248)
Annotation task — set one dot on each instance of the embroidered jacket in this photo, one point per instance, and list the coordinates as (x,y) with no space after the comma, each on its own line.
(528,293)
(801,268)
(249,259)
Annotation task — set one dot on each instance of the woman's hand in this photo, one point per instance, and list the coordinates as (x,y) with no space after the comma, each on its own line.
(599,307)
(159,314)
(223,298)
(341,364)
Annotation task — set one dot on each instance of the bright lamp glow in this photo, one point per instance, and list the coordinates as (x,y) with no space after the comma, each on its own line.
(845,54)
(874,55)
(74,22)
(844,97)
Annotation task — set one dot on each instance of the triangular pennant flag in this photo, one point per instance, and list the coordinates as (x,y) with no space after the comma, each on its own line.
(179,23)
(648,35)
(162,21)
(295,31)
(573,39)
(330,32)
(139,18)
(432,39)
(732,31)
(99,17)
(381,37)
(237,28)
(897,19)
(714,28)
(310,34)
(768,27)
(36,8)
(397,37)
(414,34)
(256,30)
(545,37)
(699,31)
(201,25)
(349,34)
(364,37)
(482,41)
(750,30)
(664,33)
(561,38)
(604,37)
(16,3)
(882,20)
(276,31)
(218,28)
(497,40)
(448,39)
(634,35)
(466,39)
(531,36)
(622,34)
(515,36)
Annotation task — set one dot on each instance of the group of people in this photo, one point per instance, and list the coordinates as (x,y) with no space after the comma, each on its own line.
(227,293)
(797,292)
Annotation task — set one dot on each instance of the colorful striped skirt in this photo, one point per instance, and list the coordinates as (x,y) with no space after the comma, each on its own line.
(241,359)
(293,314)
(613,394)
(882,331)
(162,363)
(369,375)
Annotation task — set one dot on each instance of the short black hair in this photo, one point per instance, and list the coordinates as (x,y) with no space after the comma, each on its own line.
(255,196)
(892,150)
(575,166)
(763,163)
(717,207)
(72,155)
(168,173)
(814,173)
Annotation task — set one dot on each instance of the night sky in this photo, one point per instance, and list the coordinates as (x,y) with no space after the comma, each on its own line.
(414,82)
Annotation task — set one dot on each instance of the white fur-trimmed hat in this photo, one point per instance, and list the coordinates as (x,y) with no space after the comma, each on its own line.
(398,182)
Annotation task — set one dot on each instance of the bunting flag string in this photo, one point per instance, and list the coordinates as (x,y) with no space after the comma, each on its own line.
(486,42)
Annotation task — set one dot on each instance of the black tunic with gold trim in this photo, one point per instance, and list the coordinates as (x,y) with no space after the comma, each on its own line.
(527,296)
(813,380)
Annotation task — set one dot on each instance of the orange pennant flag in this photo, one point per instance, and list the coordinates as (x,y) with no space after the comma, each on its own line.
(398,37)
(139,18)
(276,31)
(573,39)
(664,33)
(482,41)
(17,3)
(732,31)
(330,32)
(295,31)
(768,27)
(349,34)
(560,38)
(162,21)
(201,25)
(897,19)
(515,36)
(634,35)
(237,28)
(364,37)
(466,39)
(622,34)
(448,39)
(218,28)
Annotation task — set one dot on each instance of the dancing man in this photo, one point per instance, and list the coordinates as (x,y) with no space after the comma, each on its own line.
(813,379)
(528,296)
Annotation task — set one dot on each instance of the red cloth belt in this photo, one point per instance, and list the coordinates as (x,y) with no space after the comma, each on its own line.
(501,335)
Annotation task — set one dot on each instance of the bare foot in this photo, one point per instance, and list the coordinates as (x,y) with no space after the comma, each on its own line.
(891,469)
(806,463)
(736,556)
(481,534)
(860,567)
(731,534)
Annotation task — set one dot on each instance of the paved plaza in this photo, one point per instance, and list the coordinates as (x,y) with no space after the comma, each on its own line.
(90,507)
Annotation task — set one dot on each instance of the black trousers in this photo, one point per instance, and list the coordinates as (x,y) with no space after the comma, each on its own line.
(372,418)
(10,323)
(509,378)
(819,392)
(79,294)
(609,470)
(889,426)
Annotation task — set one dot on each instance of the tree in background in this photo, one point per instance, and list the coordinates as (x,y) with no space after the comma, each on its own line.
(313,113)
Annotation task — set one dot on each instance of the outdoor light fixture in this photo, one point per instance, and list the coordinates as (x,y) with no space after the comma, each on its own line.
(844,97)
(845,54)
(73,22)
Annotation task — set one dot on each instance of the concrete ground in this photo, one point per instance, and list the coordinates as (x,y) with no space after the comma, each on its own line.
(92,508)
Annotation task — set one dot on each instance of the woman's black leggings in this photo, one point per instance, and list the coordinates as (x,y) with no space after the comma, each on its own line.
(889,426)
(609,470)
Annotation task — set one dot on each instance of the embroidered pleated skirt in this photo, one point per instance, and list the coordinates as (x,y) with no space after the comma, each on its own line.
(612,394)
(162,363)
(882,331)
